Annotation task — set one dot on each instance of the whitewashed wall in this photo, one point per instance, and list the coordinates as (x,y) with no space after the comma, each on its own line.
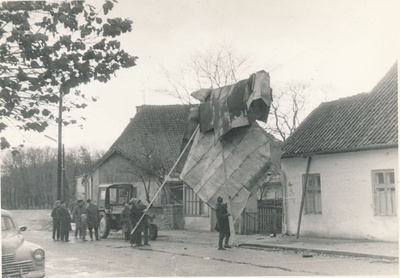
(203,223)
(346,195)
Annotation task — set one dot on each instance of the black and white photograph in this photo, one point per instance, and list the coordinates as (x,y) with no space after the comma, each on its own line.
(199,138)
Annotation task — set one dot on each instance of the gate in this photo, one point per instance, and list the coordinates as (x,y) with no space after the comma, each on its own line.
(267,220)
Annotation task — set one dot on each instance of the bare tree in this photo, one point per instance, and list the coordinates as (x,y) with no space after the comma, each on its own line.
(148,164)
(211,68)
(287,109)
(29,175)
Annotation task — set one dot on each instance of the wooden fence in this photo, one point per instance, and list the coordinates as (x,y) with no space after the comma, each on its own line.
(267,220)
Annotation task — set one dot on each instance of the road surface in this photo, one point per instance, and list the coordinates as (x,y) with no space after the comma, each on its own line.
(112,257)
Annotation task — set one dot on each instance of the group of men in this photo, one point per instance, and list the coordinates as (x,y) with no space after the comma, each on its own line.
(85,216)
(134,221)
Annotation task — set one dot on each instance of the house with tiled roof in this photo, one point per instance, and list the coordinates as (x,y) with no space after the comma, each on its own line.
(341,167)
(146,149)
(144,154)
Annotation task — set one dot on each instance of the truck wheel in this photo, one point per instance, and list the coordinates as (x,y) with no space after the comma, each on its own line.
(153,231)
(104,227)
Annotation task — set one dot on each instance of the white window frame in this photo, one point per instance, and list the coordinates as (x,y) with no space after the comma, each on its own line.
(193,205)
(313,202)
(384,192)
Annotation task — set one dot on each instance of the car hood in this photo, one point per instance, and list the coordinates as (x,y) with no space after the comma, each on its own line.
(10,242)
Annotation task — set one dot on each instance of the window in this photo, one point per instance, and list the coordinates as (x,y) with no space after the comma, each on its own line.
(7,224)
(193,204)
(118,196)
(313,194)
(384,192)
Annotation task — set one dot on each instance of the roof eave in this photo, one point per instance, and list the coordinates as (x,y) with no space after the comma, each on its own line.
(356,149)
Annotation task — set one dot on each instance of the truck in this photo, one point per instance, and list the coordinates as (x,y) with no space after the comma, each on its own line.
(111,199)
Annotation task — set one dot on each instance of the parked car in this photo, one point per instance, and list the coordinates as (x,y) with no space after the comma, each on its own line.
(20,258)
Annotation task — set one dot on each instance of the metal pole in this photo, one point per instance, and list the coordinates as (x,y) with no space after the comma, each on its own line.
(59,155)
(303,196)
(162,185)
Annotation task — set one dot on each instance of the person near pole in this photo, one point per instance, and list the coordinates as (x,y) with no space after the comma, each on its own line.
(65,221)
(84,225)
(76,215)
(126,222)
(136,238)
(56,221)
(145,222)
(222,224)
(93,214)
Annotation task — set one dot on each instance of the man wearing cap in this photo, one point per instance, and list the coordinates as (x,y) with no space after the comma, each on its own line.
(56,221)
(222,224)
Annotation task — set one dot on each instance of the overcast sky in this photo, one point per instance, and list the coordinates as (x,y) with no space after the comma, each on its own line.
(340,48)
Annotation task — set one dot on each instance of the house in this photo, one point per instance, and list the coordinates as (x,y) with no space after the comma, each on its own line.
(347,150)
(143,155)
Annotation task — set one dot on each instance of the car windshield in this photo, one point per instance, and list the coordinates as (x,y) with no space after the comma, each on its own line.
(7,224)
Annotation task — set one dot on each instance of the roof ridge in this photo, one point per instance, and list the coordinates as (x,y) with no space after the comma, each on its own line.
(358,122)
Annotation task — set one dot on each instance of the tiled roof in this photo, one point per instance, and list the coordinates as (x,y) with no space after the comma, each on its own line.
(156,130)
(363,121)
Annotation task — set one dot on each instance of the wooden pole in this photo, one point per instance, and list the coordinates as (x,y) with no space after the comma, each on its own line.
(162,185)
(303,195)
(231,226)
(229,203)
(59,155)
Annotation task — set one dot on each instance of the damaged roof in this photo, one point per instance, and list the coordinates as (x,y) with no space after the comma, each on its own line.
(156,131)
(360,122)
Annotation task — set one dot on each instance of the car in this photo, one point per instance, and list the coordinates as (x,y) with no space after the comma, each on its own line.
(20,258)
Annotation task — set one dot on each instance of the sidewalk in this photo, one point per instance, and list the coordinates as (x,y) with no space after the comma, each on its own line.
(334,246)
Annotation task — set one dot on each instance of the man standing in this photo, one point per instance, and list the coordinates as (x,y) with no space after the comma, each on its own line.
(136,239)
(76,214)
(65,220)
(93,214)
(126,221)
(56,221)
(222,224)
(145,222)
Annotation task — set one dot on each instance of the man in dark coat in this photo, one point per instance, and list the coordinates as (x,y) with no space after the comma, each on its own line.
(93,214)
(136,239)
(65,220)
(222,224)
(56,221)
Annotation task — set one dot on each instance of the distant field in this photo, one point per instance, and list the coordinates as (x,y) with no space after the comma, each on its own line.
(35,220)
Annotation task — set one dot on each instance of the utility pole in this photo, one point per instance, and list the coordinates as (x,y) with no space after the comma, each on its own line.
(64,176)
(59,155)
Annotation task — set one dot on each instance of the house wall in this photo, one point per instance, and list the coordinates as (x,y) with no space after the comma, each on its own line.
(114,170)
(346,195)
(207,222)
(199,222)
(80,189)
